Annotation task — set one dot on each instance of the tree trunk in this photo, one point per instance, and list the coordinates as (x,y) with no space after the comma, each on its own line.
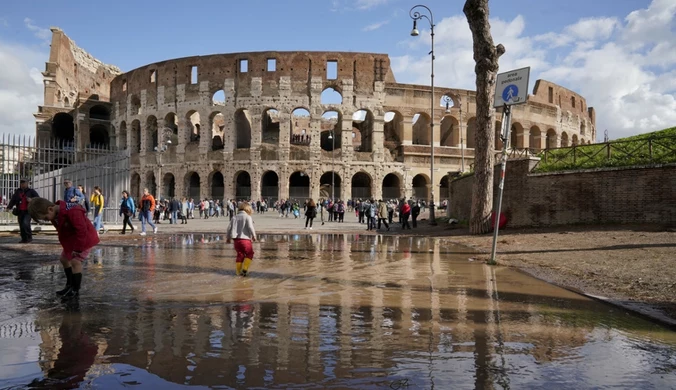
(486,56)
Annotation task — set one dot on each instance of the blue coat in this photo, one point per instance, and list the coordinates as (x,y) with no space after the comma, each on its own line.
(127,204)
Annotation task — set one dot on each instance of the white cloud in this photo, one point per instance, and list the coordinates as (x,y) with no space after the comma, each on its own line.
(366,4)
(625,69)
(346,5)
(375,26)
(41,33)
(21,88)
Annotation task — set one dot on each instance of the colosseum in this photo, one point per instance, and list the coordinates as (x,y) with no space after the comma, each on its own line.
(284,124)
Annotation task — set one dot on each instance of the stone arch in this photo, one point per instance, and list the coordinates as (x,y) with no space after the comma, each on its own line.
(393,128)
(151,183)
(218,98)
(98,136)
(299,185)
(550,142)
(330,184)
(300,126)
(392,186)
(135,105)
(421,129)
(450,131)
(362,130)
(420,186)
(168,185)
(135,190)
(534,139)
(242,185)
(242,129)
(217,125)
(171,123)
(331,130)
(217,184)
(471,133)
(135,139)
(270,186)
(362,185)
(443,188)
(192,185)
(63,128)
(582,128)
(193,121)
(122,135)
(449,100)
(574,140)
(564,140)
(66,102)
(151,133)
(270,126)
(99,112)
(331,96)
(517,136)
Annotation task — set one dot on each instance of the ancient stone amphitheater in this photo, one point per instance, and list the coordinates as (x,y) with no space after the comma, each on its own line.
(284,124)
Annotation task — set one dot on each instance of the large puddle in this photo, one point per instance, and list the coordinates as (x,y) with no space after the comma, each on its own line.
(328,311)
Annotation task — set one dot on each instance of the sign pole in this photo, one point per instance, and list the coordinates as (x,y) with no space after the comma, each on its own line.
(506,126)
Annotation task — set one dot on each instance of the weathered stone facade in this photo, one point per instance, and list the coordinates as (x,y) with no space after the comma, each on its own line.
(255,125)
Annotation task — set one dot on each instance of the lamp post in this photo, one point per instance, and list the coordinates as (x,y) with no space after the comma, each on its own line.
(416,15)
(333,172)
(448,100)
(160,150)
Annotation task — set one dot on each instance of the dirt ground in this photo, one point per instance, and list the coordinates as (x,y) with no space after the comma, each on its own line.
(623,263)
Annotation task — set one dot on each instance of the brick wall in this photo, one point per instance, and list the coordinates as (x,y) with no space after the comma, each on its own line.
(608,195)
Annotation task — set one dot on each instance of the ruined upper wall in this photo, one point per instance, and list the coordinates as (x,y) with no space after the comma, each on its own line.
(295,68)
(72,72)
(547,92)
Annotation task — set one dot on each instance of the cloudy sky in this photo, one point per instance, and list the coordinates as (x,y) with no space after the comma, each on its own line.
(619,54)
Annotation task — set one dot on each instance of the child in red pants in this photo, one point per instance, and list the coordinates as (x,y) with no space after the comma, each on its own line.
(77,236)
(241,229)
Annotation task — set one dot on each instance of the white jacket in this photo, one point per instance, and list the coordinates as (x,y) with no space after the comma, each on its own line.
(241,226)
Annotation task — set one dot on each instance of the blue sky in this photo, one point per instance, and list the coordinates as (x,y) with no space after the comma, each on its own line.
(583,45)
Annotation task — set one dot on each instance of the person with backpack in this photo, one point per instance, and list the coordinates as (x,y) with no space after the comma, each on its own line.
(97,201)
(20,199)
(84,202)
(127,210)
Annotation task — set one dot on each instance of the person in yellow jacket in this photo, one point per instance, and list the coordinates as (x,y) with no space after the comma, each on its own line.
(97,203)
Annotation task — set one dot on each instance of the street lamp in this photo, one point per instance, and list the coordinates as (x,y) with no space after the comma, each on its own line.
(333,172)
(416,15)
(160,150)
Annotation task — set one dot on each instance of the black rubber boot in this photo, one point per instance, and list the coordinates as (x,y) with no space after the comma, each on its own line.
(74,290)
(69,281)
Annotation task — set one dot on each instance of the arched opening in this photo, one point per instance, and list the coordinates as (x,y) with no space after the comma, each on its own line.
(194,124)
(330,185)
(391,186)
(242,129)
(217,121)
(516,138)
(98,136)
(362,131)
(99,112)
(63,129)
(217,185)
(122,138)
(270,126)
(192,184)
(151,133)
(420,183)
(331,138)
(564,140)
(66,102)
(582,128)
(171,123)
(135,139)
(471,133)
(242,185)
(300,127)
(421,129)
(361,186)
(393,129)
(498,135)
(168,186)
(151,184)
(331,96)
(574,140)
(447,102)
(299,185)
(534,139)
(551,139)
(450,131)
(135,190)
(135,105)
(270,186)
(443,188)
(218,98)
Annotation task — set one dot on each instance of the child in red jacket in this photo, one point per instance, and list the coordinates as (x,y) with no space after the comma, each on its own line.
(77,236)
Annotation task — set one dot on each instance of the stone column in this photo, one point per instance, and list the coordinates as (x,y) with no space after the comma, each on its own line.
(408,131)
(229,184)
(378,139)
(255,175)
(283,183)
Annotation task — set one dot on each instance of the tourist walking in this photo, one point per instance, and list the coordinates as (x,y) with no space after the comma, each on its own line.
(85,199)
(241,230)
(415,211)
(97,202)
(147,210)
(71,195)
(383,214)
(310,213)
(405,215)
(127,211)
(19,201)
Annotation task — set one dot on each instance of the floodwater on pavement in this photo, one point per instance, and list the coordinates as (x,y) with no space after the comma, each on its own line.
(323,311)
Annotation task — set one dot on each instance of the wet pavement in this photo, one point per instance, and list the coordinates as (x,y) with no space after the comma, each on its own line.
(322,311)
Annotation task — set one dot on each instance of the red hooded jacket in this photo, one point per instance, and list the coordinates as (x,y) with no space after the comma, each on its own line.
(76,232)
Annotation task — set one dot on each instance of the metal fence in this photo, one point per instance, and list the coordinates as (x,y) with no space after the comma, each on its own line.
(47,164)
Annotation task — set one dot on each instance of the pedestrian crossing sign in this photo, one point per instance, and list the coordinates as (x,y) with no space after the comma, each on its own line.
(512,87)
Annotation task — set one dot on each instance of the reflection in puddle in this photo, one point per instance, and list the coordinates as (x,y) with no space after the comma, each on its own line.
(326,310)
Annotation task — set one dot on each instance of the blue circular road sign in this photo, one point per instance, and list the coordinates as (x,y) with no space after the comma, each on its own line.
(510,92)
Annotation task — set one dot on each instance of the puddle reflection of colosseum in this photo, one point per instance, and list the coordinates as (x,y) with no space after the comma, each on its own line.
(277,124)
